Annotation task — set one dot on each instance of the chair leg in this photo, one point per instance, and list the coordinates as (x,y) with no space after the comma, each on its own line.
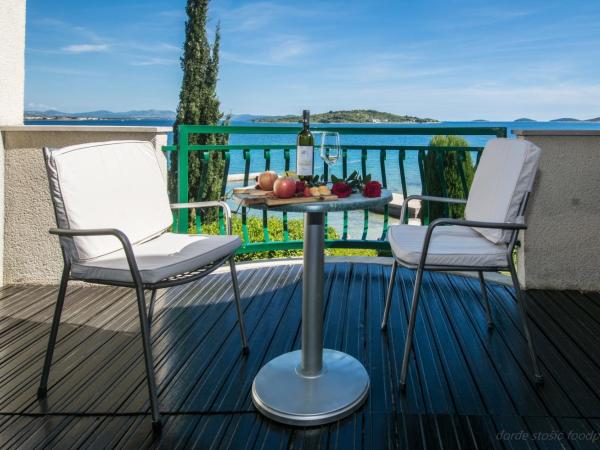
(43,388)
(145,329)
(539,380)
(238,306)
(486,302)
(411,328)
(388,296)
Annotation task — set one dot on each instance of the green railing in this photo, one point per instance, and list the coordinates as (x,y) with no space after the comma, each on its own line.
(364,151)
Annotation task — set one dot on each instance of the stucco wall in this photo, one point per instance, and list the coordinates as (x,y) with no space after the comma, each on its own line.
(561,247)
(12,82)
(12,61)
(1,210)
(31,255)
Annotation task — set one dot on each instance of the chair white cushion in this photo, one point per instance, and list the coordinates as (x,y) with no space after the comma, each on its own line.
(449,246)
(504,175)
(161,257)
(116,184)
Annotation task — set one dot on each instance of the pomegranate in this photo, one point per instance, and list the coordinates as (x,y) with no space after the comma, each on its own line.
(284,187)
(266,180)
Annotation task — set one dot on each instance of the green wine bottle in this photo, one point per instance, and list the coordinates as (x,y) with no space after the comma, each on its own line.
(305,145)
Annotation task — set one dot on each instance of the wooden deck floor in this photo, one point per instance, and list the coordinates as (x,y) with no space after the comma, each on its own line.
(470,388)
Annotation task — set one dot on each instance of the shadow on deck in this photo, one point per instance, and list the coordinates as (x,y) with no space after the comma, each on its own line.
(470,388)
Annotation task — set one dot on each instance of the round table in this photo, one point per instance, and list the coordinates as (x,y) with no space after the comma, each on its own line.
(313,385)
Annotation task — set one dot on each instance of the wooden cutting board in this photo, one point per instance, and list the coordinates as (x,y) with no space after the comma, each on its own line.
(252,196)
(253,191)
(274,201)
(267,198)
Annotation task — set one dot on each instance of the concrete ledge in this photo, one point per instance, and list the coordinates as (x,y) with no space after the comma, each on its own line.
(557,132)
(86,128)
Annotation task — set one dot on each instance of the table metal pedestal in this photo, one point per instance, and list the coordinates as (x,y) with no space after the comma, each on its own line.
(311,386)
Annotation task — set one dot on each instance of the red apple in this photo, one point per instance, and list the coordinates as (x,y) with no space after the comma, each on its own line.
(266,180)
(284,187)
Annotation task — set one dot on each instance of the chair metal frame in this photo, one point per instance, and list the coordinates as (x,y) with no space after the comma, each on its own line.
(145,311)
(422,266)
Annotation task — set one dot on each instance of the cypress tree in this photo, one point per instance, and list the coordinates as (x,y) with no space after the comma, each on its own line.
(447,164)
(199,105)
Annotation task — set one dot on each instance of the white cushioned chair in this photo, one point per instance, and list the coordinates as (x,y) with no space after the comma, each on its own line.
(483,242)
(113,216)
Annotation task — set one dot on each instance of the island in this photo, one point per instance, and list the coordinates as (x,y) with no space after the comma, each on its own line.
(53,115)
(350,116)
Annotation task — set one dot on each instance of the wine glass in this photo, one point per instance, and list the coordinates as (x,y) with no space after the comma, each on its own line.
(330,147)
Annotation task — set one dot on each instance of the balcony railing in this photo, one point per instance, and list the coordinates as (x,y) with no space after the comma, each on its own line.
(263,147)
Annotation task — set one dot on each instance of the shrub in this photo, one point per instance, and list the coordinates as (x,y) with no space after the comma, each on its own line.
(275,227)
(454,186)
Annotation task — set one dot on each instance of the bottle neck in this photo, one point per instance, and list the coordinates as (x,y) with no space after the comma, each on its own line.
(306,119)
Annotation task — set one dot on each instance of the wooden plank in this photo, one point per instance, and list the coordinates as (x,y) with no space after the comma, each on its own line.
(411,401)
(131,375)
(552,363)
(264,314)
(205,384)
(507,350)
(452,342)
(496,371)
(274,326)
(546,433)
(425,359)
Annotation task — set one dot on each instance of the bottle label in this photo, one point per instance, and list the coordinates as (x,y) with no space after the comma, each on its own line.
(304,160)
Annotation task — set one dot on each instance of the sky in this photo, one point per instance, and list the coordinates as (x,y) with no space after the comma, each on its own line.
(445,59)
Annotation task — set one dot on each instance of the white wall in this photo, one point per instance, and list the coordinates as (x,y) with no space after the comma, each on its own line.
(561,246)
(12,61)
(12,84)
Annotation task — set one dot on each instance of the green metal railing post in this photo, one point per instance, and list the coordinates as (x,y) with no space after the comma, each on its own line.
(182,178)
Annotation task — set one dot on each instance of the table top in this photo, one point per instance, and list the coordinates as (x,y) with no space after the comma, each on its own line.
(354,201)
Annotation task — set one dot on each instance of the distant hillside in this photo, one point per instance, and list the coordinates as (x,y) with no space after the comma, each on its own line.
(101,115)
(524,119)
(247,117)
(565,119)
(350,116)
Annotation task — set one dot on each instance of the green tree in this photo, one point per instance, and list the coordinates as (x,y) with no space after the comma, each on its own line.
(199,105)
(447,163)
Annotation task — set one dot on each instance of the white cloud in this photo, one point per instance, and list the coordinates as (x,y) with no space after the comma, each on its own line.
(288,49)
(85,48)
(155,62)
(173,14)
(276,50)
(33,106)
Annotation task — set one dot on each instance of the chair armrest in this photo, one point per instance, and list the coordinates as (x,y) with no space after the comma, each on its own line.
(464,223)
(428,198)
(209,204)
(122,237)
(479,224)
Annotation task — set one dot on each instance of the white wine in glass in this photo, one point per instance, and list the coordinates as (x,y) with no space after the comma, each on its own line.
(330,147)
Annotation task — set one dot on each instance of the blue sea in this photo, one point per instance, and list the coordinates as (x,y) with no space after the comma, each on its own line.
(370,141)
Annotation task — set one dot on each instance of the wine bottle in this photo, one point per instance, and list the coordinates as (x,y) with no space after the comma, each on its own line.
(305,145)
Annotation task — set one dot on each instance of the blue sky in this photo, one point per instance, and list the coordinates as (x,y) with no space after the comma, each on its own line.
(447,59)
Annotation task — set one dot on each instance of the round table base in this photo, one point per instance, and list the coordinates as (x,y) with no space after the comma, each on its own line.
(283,394)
